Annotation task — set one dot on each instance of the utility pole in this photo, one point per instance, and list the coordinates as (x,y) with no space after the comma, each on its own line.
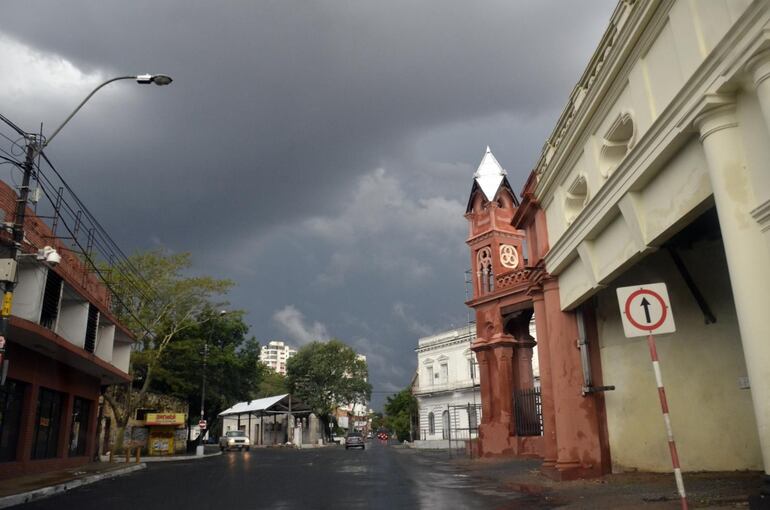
(8,274)
(8,265)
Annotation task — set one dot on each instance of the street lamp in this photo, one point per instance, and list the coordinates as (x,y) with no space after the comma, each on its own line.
(33,148)
(206,341)
(157,79)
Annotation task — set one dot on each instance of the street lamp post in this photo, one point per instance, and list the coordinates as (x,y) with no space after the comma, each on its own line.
(34,147)
(207,339)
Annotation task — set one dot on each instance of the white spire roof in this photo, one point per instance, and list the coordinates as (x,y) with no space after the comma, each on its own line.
(489,175)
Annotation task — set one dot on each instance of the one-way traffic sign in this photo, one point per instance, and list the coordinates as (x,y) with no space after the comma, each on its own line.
(645,310)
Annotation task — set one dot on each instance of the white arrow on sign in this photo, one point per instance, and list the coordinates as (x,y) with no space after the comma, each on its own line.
(645,310)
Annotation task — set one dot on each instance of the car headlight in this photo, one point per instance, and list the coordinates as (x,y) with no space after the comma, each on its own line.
(231,441)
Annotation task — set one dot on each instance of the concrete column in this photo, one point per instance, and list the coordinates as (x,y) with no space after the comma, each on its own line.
(504,393)
(748,254)
(546,388)
(484,379)
(578,451)
(759,67)
(525,377)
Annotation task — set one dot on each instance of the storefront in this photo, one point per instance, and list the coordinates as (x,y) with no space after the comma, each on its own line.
(167,433)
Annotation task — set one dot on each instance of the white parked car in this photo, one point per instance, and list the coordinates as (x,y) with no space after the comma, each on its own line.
(234,439)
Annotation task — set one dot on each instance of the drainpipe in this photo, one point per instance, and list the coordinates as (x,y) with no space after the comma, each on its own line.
(582,345)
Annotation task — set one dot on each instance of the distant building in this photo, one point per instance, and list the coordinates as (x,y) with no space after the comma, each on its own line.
(275,355)
(447,387)
(354,415)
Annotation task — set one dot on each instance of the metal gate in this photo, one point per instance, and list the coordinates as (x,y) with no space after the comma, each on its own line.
(463,427)
(528,412)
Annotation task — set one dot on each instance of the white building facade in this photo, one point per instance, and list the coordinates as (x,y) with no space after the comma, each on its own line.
(657,171)
(447,388)
(275,355)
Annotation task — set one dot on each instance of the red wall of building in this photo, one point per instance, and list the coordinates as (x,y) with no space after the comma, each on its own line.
(36,371)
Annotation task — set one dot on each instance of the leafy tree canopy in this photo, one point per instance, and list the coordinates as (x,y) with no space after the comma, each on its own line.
(401,410)
(273,383)
(233,370)
(325,375)
(163,306)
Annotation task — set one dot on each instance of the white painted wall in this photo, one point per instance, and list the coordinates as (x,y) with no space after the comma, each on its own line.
(105,340)
(712,416)
(28,295)
(73,320)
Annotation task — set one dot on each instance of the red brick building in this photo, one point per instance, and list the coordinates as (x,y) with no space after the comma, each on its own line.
(562,421)
(63,346)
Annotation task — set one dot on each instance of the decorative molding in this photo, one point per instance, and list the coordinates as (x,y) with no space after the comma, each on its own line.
(509,257)
(672,128)
(759,67)
(762,215)
(716,118)
(492,233)
(586,252)
(632,213)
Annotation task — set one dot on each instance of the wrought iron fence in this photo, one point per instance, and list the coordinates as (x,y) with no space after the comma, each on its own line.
(528,411)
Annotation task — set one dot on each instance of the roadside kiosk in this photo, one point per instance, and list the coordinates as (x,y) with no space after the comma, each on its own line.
(163,432)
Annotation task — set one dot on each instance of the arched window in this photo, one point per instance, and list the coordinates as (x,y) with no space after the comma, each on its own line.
(485,274)
(431,423)
(445,425)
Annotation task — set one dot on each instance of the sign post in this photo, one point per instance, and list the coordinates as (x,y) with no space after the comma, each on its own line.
(646,309)
(202,424)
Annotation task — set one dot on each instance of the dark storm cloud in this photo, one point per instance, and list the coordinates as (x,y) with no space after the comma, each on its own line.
(317,152)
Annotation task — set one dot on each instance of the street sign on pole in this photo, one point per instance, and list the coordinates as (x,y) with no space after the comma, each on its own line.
(202,424)
(645,310)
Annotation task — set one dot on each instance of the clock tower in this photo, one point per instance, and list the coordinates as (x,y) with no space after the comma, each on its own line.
(503,345)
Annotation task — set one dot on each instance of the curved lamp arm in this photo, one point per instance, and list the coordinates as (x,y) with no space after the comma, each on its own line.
(158,79)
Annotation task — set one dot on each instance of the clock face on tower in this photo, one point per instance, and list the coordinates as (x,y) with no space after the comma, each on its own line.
(509,257)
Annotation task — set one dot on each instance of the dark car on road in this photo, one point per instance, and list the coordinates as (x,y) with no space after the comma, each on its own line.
(355,440)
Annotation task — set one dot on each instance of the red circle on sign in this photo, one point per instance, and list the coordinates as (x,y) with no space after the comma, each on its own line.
(646,327)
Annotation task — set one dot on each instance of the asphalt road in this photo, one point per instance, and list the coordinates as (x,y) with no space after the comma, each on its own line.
(380,477)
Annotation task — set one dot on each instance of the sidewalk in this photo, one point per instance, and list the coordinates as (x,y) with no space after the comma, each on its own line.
(648,491)
(16,491)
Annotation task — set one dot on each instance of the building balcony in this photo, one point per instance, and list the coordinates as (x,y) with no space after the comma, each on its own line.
(461,385)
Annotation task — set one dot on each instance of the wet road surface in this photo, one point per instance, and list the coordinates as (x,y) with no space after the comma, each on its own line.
(380,477)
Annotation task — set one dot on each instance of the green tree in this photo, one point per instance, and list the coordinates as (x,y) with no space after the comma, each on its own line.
(272,383)
(233,371)
(324,375)
(157,308)
(400,412)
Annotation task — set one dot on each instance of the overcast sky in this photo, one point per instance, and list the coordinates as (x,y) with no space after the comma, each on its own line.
(318,153)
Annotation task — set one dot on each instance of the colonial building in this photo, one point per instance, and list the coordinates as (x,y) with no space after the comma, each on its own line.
(63,346)
(275,355)
(657,171)
(447,388)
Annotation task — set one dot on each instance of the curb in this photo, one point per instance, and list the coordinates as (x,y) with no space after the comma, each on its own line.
(45,492)
(181,458)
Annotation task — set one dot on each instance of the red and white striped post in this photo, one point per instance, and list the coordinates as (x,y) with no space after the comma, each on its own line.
(667,421)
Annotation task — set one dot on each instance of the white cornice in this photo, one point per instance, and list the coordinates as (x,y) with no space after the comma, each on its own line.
(671,129)
(618,41)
